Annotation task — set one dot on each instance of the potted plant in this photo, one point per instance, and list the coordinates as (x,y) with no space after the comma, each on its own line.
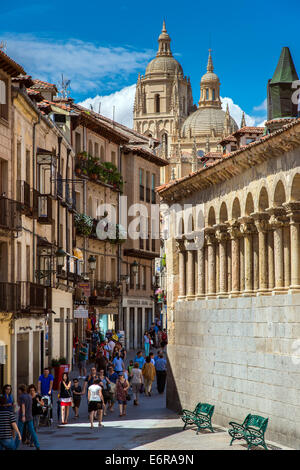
(78,170)
(82,156)
(84,224)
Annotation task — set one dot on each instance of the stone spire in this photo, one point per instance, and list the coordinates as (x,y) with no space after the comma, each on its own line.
(227,123)
(210,87)
(164,42)
(243,121)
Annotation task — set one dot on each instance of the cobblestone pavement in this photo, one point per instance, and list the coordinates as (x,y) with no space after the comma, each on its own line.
(149,426)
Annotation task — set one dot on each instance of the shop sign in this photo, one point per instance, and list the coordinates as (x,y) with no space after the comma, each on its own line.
(81,312)
(137,303)
(85,286)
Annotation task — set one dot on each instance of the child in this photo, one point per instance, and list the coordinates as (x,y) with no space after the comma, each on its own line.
(129,369)
(76,392)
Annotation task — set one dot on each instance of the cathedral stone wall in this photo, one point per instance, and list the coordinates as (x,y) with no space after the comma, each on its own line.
(239,354)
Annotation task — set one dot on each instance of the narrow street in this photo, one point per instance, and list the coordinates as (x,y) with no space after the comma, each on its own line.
(149,426)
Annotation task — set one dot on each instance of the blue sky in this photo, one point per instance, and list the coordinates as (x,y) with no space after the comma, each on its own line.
(101,46)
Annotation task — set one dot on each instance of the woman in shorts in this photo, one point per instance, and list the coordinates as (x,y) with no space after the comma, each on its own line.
(95,399)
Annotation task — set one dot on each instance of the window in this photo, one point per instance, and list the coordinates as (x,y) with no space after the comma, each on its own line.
(28,167)
(77,143)
(207,93)
(147,186)
(142,196)
(113,158)
(143,277)
(96,150)
(157,103)
(28,263)
(113,269)
(90,147)
(3,99)
(102,157)
(249,140)
(213,95)
(153,195)
(165,144)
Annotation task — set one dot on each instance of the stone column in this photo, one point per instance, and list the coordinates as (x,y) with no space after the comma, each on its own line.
(190,271)
(286,256)
(277,221)
(293,212)
(229,265)
(271,281)
(211,262)
(221,237)
(261,223)
(234,233)
(181,269)
(201,273)
(247,230)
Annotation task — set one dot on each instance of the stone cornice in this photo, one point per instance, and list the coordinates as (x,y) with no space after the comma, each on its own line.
(269,146)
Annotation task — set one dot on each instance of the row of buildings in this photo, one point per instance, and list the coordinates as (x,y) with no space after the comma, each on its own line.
(60,164)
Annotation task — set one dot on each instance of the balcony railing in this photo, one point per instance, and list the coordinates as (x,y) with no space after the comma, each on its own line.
(10,214)
(10,297)
(105,292)
(44,209)
(34,298)
(59,185)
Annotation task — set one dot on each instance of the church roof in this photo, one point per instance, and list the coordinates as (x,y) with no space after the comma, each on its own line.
(204,121)
(285,71)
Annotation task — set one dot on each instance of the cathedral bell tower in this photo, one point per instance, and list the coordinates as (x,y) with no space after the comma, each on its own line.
(163,97)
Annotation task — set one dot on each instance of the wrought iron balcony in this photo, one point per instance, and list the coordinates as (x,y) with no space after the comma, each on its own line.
(10,297)
(34,298)
(59,187)
(10,214)
(104,293)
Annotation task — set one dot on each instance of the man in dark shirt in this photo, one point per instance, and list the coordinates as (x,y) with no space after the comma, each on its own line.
(7,424)
(161,373)
(25,416)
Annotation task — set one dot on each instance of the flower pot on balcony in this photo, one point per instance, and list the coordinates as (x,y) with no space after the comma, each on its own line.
(94,176)
(78,171)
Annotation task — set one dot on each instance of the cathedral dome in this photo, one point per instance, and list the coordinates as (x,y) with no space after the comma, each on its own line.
(209,77)
(164,64)
(206,121)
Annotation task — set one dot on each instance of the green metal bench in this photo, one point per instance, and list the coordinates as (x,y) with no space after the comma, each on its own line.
(252,431)
(201,416)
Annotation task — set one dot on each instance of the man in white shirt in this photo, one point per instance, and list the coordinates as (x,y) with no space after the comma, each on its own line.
(111,345)
(95,399)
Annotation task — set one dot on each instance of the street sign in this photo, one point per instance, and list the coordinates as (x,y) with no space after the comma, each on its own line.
(81,312)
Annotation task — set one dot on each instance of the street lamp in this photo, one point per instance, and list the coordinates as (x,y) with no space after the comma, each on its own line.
(92,263)
(60,255)
(134,267)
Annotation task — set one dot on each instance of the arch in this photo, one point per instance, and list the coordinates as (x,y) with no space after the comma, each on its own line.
(211,217)
(223,213)
(249,206)
(279,194)
(96,150)
(295,190)
(263,200)
(236,209)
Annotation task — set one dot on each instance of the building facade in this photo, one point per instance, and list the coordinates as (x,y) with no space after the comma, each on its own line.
(234,283)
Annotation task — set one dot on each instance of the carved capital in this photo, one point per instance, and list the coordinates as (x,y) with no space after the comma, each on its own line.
(292,211)
(234,229)
(247,226)
(180,244)
(221,232)
(209,234)
(261,221)
(277,217)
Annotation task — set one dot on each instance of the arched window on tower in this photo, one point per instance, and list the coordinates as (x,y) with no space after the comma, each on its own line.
(157,103)
(213,94)
(207,93)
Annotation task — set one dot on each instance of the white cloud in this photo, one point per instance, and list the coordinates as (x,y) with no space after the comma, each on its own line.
(87,65)
(261,107)
(122,100)
(236,112)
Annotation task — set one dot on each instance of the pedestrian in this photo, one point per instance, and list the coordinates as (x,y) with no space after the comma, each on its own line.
(112,377)
(45,386)
(129,369)
(152,336)
(82,358)
(136,382)
(118,363)
(8,425)
(95,400)
(122,387)
(25,416)
(139,358)
(7,393)
(111,345)
(156,330)
(65,397)
(151,355)
(161,372)
(146,343)
(37,408)
(106,349)
(101,361)
(149,373)
(164,339)
(107,396)
(157,356)
(76,390)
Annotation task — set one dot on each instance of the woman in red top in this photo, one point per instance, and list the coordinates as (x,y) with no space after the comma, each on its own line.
(122,387)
